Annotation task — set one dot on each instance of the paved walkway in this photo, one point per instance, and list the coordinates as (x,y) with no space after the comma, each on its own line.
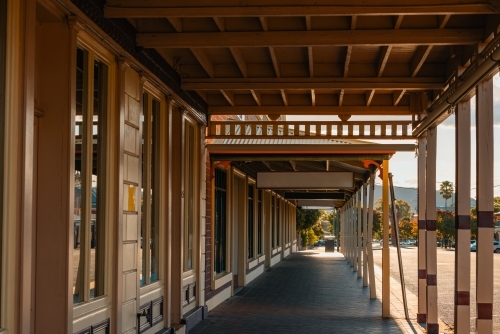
(308,292)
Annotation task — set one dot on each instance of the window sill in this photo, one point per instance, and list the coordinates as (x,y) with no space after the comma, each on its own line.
(150,287)
(252,263)
(262,258)
(91,306)
(220,281)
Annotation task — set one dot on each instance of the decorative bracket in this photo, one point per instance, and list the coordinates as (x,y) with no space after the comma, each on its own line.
(217,164)
(367,164)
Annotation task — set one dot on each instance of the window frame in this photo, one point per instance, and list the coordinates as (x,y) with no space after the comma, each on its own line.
(187,181)
(99,52)
(250,218)
(228,240)
(154,169)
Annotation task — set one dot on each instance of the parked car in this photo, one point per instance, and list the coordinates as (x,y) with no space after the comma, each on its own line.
(496,247)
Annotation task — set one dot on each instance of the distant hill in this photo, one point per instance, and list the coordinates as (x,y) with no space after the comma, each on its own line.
(410,195)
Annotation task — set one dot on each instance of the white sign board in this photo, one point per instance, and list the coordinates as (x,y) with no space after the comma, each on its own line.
(305,180)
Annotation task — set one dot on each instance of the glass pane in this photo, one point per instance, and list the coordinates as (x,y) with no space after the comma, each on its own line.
(220,221)
(190,200)
(155,221)
(97,222)
(79,227)
(250,210)
(273,223)
(278,222)
(144,191)
(259,226)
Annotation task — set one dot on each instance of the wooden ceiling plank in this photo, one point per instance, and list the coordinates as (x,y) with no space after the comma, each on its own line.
(256,97)
(223,8)
(369,97)
(385,51)
(313,97)
(311,38)
(202,58)
(284,96)
(229,97)
(341,97)
(419,59)
(397,95)
(309,110)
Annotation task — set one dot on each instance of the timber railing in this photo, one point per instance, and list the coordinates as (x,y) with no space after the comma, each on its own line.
(310,129)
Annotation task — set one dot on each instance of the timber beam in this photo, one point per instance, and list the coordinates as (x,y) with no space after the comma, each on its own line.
(311,38)
(222,8)
(424,83)
(314,195)
(309,110)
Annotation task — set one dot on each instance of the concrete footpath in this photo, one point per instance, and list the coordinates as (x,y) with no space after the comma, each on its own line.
(309,292)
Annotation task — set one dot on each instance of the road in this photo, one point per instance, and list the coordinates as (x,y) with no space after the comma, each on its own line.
(445,280)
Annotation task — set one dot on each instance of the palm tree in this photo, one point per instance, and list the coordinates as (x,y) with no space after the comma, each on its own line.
(446,191)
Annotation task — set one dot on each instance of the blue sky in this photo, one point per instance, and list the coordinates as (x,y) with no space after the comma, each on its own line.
(404,165)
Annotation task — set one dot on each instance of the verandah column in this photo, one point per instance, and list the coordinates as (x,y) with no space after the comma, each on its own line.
(422,258)
(371,269)
(366,237)
(386,273)
(484,195)
(431,256)
(360,245)
(462,218)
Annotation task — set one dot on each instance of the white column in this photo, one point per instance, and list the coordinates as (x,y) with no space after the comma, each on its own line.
(386,273)
(366,237)
(431,255)
(484,195)
(371,269)
(422,272)
(462,218)
(360,246)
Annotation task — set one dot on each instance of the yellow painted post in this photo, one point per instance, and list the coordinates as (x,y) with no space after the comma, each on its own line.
(386,286)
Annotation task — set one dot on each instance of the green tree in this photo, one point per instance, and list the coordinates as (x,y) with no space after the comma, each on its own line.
(445,224)
(403,209)
(446,191)
(309,225)
(406,228)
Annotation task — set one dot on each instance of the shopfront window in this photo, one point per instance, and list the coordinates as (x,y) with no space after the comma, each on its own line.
(150,222)
(220,220)
(89,179)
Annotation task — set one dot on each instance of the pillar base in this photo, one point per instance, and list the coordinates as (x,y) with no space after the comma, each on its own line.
(432,328)
(421,317)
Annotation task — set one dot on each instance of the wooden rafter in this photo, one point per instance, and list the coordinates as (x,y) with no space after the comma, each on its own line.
(385,51)
(306,110)
(224,8)
(397,96)
(284,96)
(424,50)
(386,83)
(229,97)
(256,97)
(311,38)
(369,97)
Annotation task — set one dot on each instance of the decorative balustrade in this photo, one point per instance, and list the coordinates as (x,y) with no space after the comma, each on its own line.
(310,129)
